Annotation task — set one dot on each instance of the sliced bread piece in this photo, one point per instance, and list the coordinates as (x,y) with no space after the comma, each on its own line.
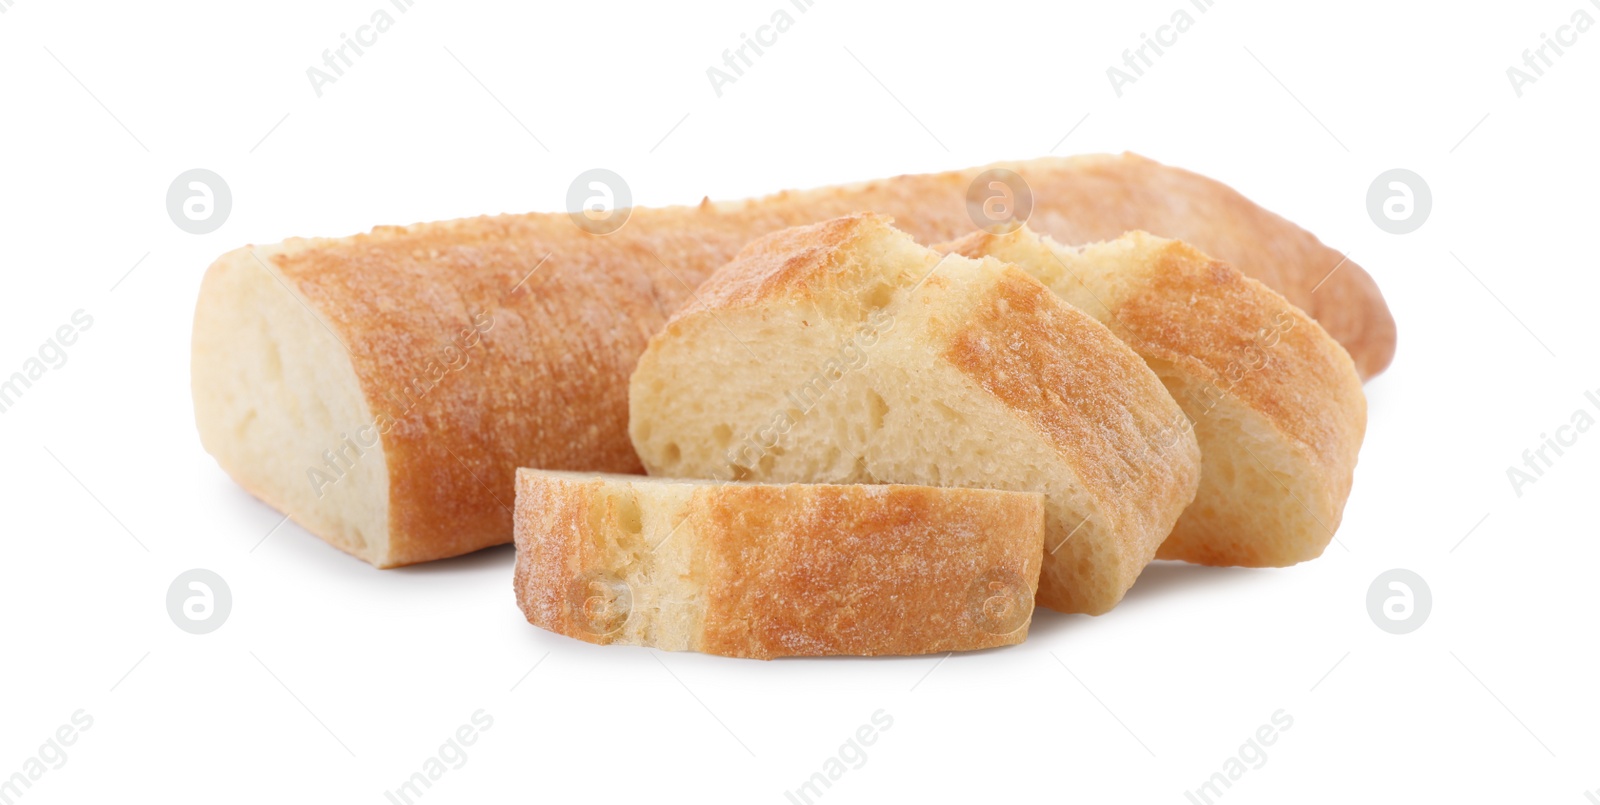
(763,571)
(844,352)
(1275,401)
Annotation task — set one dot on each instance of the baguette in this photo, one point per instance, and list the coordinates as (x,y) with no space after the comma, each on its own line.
(1275,402)
(844,352)
(382,389)
(746,570)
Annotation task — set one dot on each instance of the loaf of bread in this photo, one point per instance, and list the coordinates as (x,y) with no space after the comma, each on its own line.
(844,352)
(763,571)
(1275,402)
(382,389)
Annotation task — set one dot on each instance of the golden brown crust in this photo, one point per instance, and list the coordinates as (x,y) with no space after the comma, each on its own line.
(788,260)
(781,570)
(1099,198)
(1222,339)
(1199,312)
(804,570)
(556,551)
(1090,198)
(1260,350)
(1097,413)
(549,388)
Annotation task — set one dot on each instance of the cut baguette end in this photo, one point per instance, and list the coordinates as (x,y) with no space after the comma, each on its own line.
(278,404)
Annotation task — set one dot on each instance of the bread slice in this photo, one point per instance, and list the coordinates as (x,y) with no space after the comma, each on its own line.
(763,571)
(843,352)
(1276,403)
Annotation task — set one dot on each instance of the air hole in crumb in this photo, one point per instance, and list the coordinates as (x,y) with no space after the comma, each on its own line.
(629,518)
(876,409)
(947,412)
(878,296)
(672,453)
(722,435)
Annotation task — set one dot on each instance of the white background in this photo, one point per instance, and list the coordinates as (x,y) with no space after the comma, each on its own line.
(332,681)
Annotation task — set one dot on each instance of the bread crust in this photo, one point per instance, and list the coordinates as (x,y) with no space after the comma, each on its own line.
(780,570)
(1198,311)
(571,312)
(1221,338)
(1101,197)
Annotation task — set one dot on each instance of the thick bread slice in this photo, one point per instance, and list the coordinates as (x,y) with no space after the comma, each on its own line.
(1275,402)
(843,352)
(300,347)
(762,571)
